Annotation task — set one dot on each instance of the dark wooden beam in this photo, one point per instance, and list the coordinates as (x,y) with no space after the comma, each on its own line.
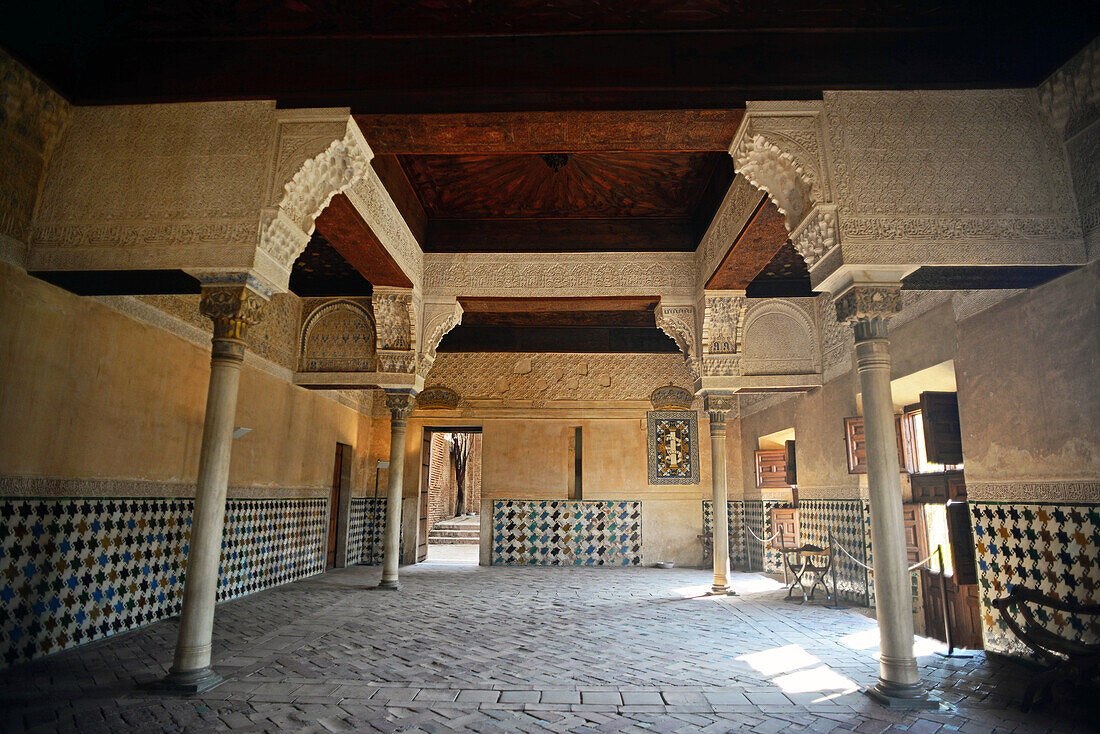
(982,277)
(464,338)
(352,237)
(540,132)
(560,235)
(754,247)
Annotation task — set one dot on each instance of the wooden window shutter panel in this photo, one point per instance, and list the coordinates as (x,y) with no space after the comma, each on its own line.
(771,469)
(929,488)
(942,433)
(960,533)
(856,441)
(915,535)
(791,469)
(856,444)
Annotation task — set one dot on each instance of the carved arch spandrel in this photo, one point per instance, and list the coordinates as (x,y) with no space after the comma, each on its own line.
(781,337)
(440,316)
(780,150)
(286,225)
(678,322)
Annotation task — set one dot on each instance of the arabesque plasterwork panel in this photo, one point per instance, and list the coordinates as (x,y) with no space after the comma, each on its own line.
(175,185)
(546,377)
(974,176)
(560,274)
(30,128)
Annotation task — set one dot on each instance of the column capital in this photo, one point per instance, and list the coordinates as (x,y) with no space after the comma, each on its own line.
(400,403)
(868,308)
(718,407)
(232,309)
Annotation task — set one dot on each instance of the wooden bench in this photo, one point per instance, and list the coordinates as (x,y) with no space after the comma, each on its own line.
(1065,659)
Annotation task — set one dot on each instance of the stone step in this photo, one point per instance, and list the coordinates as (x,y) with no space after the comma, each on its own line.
(462,523)
(453,541)
(453,533)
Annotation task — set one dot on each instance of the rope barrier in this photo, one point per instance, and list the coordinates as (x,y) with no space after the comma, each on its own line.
(758,538)
(912,568)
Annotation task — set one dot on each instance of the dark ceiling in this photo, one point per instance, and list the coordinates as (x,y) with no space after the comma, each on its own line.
(467,55)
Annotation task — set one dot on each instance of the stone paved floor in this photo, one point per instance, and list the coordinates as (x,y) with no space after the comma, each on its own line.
(462,553)
(470,649)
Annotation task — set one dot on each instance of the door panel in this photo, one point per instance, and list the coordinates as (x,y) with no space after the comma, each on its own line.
(785,518)
(425,484)
(334,507)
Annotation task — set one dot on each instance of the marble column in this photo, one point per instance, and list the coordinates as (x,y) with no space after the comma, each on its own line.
(868,308)
(400,404)
(232,309)
(718,407)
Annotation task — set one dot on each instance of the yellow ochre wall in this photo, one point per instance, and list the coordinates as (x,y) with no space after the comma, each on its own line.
(87,392)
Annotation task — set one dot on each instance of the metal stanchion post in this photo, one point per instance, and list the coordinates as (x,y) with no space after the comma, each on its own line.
(951,651)
(832,572)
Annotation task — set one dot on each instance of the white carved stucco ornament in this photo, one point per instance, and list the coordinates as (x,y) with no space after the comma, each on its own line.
(679,323)
(440,316)
(285,229)
(395,326)
(779,149)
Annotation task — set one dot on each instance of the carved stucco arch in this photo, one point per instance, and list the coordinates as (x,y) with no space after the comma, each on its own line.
(678,322)
(802,326)
(779,173)
(285,228)
(317,316)
(439,318)
(779,150)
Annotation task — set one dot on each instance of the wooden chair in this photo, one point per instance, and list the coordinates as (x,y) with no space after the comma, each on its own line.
(1065,659)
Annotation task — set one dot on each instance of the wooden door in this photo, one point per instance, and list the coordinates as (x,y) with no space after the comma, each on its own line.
(963,612)
(785,519)
(425,485)
(334,507)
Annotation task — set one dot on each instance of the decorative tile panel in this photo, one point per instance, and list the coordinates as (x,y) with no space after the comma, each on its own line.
(738,559)
(673,446)
(1054,548)
(567,533)
(846,518)
(366,527)
(77,570)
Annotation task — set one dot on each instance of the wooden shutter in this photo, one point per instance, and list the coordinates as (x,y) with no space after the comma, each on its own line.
(857,445)
(942,434)
(960,535)
(929,488)
(956,486)
(856,441)
(791,468)
(916,537)
(771,469)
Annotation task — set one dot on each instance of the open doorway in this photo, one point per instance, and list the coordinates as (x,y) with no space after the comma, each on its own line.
(450,496)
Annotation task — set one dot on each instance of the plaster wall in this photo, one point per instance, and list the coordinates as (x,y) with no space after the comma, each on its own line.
(87,393)
(1029,399)
(525,456)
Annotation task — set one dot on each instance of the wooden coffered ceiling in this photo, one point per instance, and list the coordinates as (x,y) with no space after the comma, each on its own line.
(458,55)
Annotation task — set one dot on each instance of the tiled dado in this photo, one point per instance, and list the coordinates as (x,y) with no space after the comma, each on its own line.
(847,519)
(1054,548)
(366,525)
(567,533)
(738,559)
(77,570)
(761,557)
